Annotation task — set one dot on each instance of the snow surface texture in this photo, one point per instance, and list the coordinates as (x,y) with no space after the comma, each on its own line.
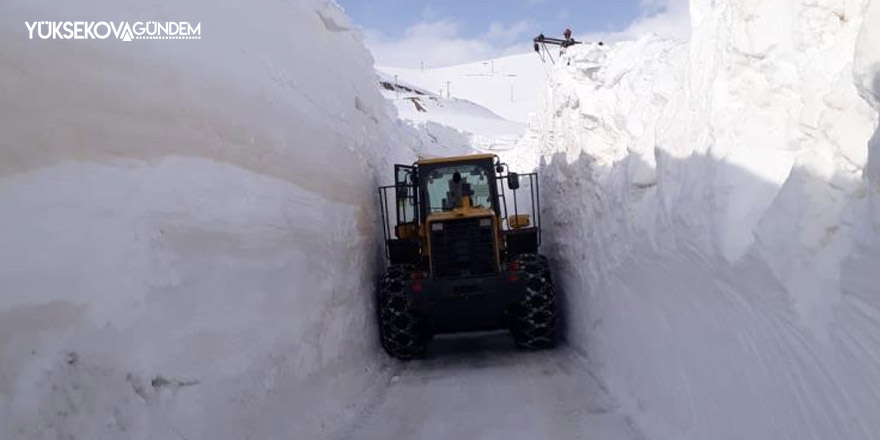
(713,211)
(188,228)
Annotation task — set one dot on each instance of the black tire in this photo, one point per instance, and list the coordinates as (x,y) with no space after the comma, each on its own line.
(534,320)
(401,329)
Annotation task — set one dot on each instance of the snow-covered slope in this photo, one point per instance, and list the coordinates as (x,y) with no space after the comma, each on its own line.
(453,125)
(188,232)
(510,86)
(713,209)
(449,126)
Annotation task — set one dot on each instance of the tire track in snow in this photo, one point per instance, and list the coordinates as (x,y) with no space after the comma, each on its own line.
(483,387)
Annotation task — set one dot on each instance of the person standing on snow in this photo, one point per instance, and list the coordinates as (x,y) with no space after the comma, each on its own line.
(568,41)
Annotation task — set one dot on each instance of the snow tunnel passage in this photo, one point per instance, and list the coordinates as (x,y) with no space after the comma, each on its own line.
(177,262)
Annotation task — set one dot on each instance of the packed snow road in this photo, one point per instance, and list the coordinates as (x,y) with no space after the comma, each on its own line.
(482,387)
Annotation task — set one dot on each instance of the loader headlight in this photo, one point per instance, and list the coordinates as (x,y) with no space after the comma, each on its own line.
(485,223)
(436,226)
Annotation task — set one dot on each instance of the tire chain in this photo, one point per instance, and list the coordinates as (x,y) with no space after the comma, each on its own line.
(535,317)
(402,331)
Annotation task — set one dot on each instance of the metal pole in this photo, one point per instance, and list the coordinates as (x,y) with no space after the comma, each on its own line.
(447,90)
(397,87)
(515,207)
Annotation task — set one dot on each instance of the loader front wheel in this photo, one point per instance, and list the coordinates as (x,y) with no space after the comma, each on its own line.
(401,329)
(534,319)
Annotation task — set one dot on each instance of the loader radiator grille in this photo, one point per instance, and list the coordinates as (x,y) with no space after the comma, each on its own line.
(462,248)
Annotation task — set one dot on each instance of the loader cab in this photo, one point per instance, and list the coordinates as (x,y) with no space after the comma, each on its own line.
(447,186)
(459,216)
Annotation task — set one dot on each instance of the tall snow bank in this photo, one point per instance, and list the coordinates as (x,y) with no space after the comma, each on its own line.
(713,209)
(187,231)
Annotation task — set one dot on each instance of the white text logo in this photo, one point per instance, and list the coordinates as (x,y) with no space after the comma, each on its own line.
(102,30)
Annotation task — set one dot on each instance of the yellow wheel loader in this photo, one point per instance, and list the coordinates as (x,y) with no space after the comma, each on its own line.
(461,239)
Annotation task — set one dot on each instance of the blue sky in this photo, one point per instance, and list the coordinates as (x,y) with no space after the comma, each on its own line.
(406,33)
(393,17)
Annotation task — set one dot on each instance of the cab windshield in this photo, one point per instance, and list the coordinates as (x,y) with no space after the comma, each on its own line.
(448,184)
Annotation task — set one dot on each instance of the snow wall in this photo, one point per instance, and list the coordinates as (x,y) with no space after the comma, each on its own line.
(713,208)
(188,232)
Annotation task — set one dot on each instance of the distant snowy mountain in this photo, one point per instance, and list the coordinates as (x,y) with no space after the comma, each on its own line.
(450,126)
(510,86)
(484,107)
(420,105)
(453,126)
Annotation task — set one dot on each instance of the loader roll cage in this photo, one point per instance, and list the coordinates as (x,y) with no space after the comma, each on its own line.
(511,195)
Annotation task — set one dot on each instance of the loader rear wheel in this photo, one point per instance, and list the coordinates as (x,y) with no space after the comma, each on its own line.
(534,319)
(401,329)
